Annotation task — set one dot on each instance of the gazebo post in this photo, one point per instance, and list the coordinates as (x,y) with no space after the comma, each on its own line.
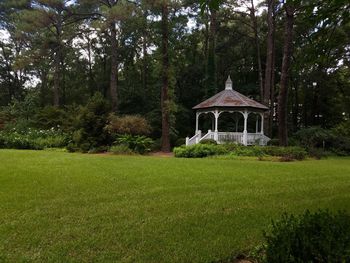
(262,123)
(245,132)
(256,124)
(197,116)
(216,131)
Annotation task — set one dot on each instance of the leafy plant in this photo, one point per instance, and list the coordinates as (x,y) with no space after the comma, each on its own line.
(90,125)
(139,144)
(208,141)
(120,149)
(128,124)
(310,237)
(199,151)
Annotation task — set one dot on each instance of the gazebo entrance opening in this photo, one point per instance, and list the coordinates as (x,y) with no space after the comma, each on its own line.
(230,117)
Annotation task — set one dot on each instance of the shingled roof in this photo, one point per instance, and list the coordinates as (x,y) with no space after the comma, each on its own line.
(230,98)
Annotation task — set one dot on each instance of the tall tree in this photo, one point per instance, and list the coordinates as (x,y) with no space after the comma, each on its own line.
(283,92)
(165,105)
(268,92)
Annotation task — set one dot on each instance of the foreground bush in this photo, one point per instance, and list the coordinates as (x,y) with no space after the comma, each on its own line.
(311,237)
(199,150)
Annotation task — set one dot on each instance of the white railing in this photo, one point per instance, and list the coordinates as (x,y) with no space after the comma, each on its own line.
(195,139)
(224,137)
(257,139)
(230,137)
(209,135)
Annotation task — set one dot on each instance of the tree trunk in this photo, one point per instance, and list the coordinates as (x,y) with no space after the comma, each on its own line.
(114,68)
(165,80)
(269,69)
(56,77)
(257,44)
(211,67)
(283,93)
(57,64)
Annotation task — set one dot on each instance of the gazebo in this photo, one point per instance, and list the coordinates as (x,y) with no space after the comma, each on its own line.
(231,101)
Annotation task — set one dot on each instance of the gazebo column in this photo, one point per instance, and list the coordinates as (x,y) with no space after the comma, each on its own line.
(256,124)
(262,123)
(245,132)
(197,117)
(216,131)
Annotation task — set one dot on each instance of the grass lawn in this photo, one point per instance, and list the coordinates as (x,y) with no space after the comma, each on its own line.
(57,206)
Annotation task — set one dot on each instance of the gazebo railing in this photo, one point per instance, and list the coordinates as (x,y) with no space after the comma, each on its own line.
(195,139)
(257,139)
(230,137)
(226,137)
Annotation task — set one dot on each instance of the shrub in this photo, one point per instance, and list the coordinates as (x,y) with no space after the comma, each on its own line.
(50,116)
(139,144)
(241,150)
(120,149)
(179,142)
(100,149)
(208,141)
(199,150)
(311,237)
(273,142)
(128,124)
(287,153)
(90,125)
(313,137)
(33,139)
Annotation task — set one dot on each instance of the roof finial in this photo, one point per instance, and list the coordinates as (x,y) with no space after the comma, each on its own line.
(228,84)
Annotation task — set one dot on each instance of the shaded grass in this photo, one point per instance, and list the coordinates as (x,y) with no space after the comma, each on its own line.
(56,206)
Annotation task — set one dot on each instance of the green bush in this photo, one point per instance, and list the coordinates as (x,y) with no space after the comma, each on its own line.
(311,237)
(179,142)
(89,127)
(287,153)
(33,139)
(199,150)
(139,144)
(208,141)
(241,150)
(273,142)
(128,124)
(121,149)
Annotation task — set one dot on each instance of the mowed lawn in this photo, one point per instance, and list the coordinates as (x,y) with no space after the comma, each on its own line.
(62,207)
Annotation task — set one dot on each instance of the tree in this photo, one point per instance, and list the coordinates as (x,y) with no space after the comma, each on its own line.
(165,80)
(283,92)
(268,90)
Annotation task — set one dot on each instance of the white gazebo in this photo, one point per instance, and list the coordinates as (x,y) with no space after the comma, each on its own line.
(231,101)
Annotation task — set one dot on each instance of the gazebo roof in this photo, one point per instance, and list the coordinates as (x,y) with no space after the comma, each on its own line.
(229,98)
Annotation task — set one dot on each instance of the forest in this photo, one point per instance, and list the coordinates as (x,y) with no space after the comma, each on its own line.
(79,66)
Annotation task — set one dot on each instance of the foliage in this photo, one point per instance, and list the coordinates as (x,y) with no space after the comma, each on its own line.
(50,116)
(208,141)
(203,150)
(90,125)
(310,237)
(291,152)
(335,140)
(139,144)
(128,124)
(120,149)
(33,139)
(313,137)
(199,151)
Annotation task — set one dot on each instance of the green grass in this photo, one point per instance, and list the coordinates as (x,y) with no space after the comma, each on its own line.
(61,207)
